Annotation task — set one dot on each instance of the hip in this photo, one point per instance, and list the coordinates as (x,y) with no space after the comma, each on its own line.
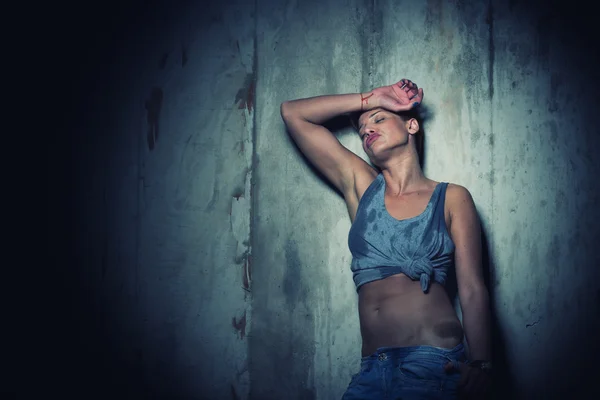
(407,372)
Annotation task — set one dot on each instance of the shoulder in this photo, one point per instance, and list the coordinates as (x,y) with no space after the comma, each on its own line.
(458,192)
(458,199)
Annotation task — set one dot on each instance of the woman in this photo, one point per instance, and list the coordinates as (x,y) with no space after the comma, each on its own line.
(406,232)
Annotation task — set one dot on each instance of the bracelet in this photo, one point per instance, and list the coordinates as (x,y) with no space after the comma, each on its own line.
(364,100)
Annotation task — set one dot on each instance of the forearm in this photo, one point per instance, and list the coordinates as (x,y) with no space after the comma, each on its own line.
(476,323)
(318,110)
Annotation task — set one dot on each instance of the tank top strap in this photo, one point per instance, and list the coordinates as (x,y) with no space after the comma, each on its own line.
(440,201)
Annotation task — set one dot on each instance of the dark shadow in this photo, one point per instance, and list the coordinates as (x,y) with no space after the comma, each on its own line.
(503,383)
(339,123)
(503,386)
(153,106)
(451,284)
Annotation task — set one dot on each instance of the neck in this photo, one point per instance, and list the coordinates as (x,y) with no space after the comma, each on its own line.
(403,174)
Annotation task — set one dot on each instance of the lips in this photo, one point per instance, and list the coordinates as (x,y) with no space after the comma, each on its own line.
(371,139)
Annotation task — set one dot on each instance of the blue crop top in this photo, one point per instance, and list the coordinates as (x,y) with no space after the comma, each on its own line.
(381,246)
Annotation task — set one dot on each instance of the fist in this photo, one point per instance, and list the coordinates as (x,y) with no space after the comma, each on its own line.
(474,384)
(401,96)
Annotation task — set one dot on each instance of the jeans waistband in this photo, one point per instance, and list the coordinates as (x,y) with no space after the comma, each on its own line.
(417,352)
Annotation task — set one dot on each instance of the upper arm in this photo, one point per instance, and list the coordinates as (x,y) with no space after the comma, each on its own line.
(325,152)
(465,230)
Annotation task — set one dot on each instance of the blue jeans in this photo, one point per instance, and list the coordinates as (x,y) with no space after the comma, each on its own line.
(407,373)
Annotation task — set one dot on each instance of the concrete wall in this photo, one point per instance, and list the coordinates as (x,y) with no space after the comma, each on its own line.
(210,261)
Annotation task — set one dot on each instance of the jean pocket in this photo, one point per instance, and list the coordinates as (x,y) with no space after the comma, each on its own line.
(425,375)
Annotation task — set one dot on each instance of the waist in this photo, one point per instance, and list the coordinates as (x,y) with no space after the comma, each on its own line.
(395,312)
(418,353)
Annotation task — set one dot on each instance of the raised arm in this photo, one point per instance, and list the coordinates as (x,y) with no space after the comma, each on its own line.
(304,119)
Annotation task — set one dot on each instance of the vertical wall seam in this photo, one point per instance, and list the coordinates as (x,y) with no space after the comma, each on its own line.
(253,161)
(491,53)
(253,199)
(367,47)
(371,45)
(253,133)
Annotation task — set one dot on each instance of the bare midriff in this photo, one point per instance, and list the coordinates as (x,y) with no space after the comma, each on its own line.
(394,312)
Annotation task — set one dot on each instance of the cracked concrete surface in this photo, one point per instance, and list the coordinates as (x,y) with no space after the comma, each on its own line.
(219,257)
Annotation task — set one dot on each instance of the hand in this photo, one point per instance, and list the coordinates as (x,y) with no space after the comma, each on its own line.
(473,383)
(400,96)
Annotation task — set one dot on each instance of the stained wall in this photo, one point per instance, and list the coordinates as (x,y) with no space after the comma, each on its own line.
(209,260)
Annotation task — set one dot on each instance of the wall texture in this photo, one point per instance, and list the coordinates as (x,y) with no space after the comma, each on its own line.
(210,261)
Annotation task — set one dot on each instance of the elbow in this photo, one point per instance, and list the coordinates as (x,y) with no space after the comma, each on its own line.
(288,115)
(289,111)
(474,294)
(285,111)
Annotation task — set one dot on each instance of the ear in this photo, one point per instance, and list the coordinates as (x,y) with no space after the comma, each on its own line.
(412,126)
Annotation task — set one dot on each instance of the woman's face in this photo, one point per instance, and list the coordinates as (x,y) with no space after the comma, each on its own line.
(382,130)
